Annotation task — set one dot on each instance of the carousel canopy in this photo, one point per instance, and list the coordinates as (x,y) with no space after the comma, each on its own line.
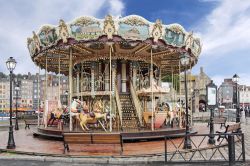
(131,38)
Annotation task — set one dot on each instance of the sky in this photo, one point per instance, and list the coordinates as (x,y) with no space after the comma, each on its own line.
(222,25)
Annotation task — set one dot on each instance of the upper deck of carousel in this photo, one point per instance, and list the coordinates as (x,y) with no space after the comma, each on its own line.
(132,38)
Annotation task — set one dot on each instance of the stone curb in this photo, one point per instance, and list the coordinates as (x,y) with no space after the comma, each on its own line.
(90,160)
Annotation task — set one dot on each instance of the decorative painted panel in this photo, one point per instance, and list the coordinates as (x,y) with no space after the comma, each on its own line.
(134,28)
(85,28)
(47,36)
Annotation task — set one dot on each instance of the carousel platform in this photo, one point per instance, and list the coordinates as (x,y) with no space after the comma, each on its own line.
(53,133)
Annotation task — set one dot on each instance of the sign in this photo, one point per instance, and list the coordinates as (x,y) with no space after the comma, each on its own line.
(211,95)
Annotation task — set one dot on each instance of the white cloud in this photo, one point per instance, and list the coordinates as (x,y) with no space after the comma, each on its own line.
(116,8)
(226,28)
(19,18)
(225,35)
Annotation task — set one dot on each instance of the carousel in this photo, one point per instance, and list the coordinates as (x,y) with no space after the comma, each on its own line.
(115,67)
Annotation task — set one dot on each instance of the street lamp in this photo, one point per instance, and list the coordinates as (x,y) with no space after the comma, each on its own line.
(17,88)
(185,62)
(11,64)
(236,80)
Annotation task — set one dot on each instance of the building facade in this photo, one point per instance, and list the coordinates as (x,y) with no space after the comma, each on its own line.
(32,91)
(196,90)
(244,96)
(4,94)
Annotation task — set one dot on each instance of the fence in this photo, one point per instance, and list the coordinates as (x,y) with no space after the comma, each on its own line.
(229,149)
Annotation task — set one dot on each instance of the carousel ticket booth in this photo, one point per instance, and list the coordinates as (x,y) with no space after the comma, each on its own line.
(116,65)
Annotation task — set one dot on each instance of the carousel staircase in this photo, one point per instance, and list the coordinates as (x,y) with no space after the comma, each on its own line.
(130,121)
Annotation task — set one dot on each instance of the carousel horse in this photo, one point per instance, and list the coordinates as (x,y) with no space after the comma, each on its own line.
(94,117)
(171,114)
(183,118)
(58,114)
(174,116)
(75,109)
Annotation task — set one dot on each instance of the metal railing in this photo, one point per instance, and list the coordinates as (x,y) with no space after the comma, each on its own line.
(229,149)
(118,103)
(205,116)
(136,102)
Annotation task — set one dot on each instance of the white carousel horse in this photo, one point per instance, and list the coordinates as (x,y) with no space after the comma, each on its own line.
(74,111)
(172,113)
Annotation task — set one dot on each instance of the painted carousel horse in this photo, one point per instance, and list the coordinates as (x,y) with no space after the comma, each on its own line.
(58,114)
(75,109)
(172,114)
(183,118)
(94,117)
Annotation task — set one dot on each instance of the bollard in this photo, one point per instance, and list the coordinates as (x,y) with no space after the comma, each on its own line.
(231,149)
(165,149)
(243,147)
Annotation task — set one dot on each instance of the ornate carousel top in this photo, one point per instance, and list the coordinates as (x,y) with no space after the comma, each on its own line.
(131,38)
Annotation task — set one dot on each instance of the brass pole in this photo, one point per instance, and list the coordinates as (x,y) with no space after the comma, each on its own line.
(38,96)
(59,81)
(70,87)
(180,93)
(152,95)
(110,90)
(46,92)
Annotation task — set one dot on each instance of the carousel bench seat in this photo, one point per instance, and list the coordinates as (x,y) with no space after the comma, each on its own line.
(30,122)
(91,138)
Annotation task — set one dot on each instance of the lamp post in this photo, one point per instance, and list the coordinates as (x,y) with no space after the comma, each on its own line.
(236,80)
(11,64)
(187,143)
(17,90)
(211,90)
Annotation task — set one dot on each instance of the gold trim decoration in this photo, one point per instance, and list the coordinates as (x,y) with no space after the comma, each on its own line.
(109,27)
(134,20)
(63,31)
(176,28)
(36,42)
(157,30)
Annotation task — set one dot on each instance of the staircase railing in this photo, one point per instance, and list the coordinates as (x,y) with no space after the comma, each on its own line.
(136,101)
(118,102)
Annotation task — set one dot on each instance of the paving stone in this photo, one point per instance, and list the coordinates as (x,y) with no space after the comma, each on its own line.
(146,159)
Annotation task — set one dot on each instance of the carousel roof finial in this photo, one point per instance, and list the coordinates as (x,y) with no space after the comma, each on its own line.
(63,31)
(109,26)
(157,30)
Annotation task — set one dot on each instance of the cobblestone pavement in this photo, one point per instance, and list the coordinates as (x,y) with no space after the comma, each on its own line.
(246,130)
(17,159)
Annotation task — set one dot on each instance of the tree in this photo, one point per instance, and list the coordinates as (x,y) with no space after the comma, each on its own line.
(176,80)
(2,75)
